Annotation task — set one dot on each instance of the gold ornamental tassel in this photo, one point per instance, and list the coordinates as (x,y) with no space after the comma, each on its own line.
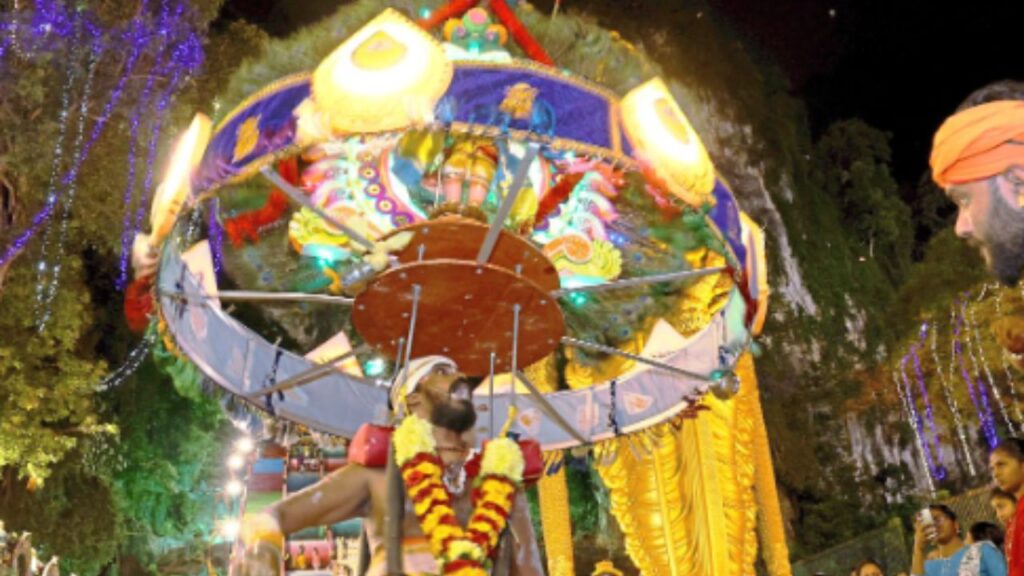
(770,525)
(644,490)
(684,498)
(554,517)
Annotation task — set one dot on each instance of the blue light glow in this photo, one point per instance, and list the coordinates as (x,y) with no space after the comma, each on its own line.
(374,367)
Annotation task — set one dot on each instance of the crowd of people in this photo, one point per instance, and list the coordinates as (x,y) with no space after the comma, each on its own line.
(941,546)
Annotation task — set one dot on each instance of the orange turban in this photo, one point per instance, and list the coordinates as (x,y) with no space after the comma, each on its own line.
(979,143)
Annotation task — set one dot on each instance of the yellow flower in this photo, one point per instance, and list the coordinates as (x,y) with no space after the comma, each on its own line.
(439,535)
(413,436)
(503,457)
(495,517)
(497,490)
(437,497)
(433,518)
(464,549)
(423,484)
(427,468)
(485,529)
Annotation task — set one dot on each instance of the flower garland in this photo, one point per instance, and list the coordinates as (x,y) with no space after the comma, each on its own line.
(463,552)
(249,225)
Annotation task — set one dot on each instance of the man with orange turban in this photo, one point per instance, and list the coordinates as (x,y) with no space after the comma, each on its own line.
(978,159)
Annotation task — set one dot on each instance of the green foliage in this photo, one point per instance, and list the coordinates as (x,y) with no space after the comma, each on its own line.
(73,515)
(46,389)
(164,462)
(933,283)
(852,165)
(122,472)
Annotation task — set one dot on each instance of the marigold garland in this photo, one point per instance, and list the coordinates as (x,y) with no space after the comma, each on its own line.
(464,552)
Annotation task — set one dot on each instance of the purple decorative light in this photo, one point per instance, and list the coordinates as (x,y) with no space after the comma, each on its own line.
(935,446)
(52,18)
(216,234)
(128,230)
(987,424)
(129,194)
(44,215)
(917,422)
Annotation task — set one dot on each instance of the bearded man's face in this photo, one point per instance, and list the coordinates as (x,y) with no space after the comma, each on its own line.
(448,398)
(988,221)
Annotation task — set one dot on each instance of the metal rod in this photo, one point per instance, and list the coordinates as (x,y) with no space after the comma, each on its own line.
(298,196)
(506,205)
(398,409)
(306,376)
(653,363)
(255,296)
(515,347)
(412,322)
(490,399)
(641,281)
(548,409)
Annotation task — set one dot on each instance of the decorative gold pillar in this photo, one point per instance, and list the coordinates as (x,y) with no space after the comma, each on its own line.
(770,525)
(553,490)
(554,517)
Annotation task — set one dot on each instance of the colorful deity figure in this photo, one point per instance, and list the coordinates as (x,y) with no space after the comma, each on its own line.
(463,179)
(475,34)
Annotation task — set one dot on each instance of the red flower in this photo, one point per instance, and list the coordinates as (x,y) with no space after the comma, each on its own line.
(138,304)
(460,564)
(472,466)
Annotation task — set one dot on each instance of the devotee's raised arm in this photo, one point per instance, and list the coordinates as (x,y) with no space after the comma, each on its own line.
(343,494)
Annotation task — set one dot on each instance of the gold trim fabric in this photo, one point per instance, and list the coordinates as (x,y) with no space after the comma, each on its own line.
(684,497)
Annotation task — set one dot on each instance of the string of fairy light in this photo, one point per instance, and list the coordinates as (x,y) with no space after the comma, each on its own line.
(44,303)
(989,385)
(133,361)
(133,139)
(235,490)
(55,166)
(49,26)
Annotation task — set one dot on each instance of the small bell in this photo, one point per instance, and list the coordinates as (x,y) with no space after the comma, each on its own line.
(724,384)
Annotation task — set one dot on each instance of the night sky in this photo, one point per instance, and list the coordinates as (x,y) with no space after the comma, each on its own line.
(901,65)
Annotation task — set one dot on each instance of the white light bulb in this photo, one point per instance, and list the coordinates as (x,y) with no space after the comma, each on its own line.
(230,528)
(244,445)
(233,488)
(235,462)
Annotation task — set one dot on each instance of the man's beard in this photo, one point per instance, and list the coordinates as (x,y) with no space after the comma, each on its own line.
(1004,241)
(455,415)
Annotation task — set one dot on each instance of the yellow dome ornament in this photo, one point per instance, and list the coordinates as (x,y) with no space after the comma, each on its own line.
(667,143)
(387,76)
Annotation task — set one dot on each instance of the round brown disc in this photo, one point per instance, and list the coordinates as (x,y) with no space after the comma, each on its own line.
(460,239)
(465,311)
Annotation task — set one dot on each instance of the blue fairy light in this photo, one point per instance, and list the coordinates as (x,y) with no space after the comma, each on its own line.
(579,299)
(374,366)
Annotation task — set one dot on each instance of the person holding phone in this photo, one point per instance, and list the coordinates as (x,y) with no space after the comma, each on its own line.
(943,531)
